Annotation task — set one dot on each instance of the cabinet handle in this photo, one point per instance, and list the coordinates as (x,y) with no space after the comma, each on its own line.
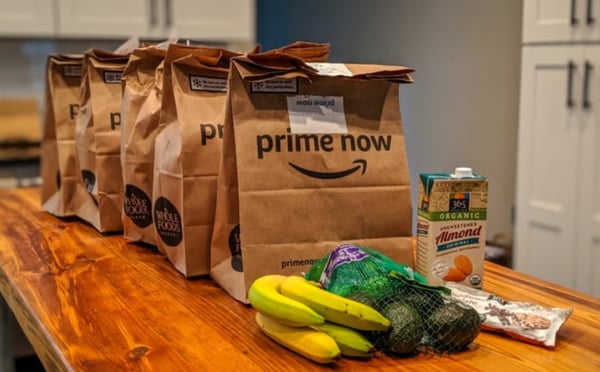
(586,85)
(571,69)
(169,13)
(589,16)
(153,18)
(574,19)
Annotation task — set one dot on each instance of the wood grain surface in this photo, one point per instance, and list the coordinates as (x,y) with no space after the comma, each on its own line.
(89,302)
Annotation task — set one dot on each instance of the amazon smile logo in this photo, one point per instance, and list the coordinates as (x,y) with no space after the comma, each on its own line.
(361,163)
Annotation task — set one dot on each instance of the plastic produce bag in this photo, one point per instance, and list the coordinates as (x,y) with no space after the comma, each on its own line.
(374,264)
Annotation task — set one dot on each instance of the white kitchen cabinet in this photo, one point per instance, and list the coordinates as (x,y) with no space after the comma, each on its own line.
(106,18)
(204,20)
(588,279)
(557,234)
(26,18)
(232,20)
(561,20)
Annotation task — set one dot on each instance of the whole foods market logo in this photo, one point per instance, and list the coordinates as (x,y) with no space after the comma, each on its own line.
(138,206)
(89,179)
(297,143)
(167,222)
(235,247)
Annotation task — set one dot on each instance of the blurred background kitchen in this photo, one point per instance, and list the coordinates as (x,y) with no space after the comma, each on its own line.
(498,88)
(462,111)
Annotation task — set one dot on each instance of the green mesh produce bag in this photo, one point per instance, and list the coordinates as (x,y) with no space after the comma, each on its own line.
(344,262)
(424,318)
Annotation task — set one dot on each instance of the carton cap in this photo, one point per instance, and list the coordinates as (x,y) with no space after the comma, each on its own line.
(462,172)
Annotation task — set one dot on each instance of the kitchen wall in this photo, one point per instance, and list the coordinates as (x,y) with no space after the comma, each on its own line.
(23,60)
(22,71)
(463,108)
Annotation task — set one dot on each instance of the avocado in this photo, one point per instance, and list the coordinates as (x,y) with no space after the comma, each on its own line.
(363,298)
(453,326)
(406,332)
(424,301)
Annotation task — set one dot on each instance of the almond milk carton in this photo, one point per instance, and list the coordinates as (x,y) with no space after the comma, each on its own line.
(451,227)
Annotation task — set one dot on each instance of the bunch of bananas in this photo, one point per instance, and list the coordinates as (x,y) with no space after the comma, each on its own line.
(317,324)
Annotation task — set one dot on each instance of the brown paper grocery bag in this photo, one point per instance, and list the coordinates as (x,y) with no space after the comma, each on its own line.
(97,139)
(185,168)
(138,140)
(61,192)
(313,156)
(187,152)
(140,110)
(308,51)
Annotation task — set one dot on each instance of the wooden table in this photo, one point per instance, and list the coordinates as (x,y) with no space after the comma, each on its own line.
(89,302)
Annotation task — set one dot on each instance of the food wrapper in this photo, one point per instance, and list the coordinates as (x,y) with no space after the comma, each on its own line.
(523,321)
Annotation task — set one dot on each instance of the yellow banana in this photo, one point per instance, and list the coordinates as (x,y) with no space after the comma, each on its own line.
(314,345)
(350,342)
(265,297)
(315,283)
(332,307)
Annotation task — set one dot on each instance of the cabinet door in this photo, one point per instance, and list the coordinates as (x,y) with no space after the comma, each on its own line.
(561,20)
(106,18)
(223,20)
(589,238)
(26,17)
(547,182)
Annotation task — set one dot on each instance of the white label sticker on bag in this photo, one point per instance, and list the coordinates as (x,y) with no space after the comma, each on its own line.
(72,71)
(277,85)
(316,114)
(331,69)
(112,77)
(206,83)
